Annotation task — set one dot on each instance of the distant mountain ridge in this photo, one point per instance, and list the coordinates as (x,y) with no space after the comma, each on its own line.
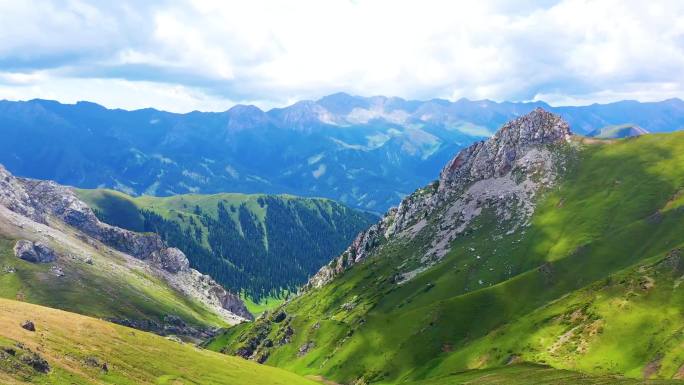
(617,132)
(367,152)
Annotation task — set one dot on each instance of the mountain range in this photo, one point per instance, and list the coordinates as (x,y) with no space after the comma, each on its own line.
(367,152)
(536,256)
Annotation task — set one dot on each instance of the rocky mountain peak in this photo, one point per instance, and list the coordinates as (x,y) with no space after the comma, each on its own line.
(535,128)
(496,156)
(504,174)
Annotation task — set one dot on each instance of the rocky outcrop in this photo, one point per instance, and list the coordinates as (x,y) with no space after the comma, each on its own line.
(34,252)
(496,156)
(504,173)
(257,345)
(170,259)
(201,286)
(42,200)
(45,202)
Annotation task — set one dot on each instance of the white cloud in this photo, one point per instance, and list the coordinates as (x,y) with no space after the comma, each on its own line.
(118,93)
(204,54)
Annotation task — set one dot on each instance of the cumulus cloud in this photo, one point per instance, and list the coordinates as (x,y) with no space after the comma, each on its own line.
(208,55)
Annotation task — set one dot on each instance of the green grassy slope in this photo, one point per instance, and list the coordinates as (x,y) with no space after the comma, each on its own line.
(526,374)
(77,347)
(581,288)
(112,287)
(260,245)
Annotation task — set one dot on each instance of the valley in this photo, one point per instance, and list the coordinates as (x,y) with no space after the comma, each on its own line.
(536,254)
(261,246)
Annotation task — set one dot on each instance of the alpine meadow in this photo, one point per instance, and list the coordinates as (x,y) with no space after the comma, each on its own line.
(368,192)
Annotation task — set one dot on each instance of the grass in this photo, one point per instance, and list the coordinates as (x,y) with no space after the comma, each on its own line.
(109,288)
(124,209)
(617,211)
(76,347)
(525,374)
(265,304)
(260,245)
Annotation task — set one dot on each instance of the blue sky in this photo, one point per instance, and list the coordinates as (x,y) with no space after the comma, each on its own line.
(209,55)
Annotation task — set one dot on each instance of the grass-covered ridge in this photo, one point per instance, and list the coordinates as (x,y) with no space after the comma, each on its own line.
(78,348)
(112,287)
(259,245)
(593,285)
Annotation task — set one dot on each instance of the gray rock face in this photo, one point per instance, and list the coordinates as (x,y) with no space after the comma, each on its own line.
(34,252)
(170,259)
(496,156)
(40,200)
(479,176)
(226,299)
(46,201)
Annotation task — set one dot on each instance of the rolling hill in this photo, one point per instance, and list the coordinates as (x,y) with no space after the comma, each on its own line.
(258,245)
(71,349)
(535,247)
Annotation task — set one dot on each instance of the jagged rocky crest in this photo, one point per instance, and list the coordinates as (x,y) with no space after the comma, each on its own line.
(504,173)
(46,201)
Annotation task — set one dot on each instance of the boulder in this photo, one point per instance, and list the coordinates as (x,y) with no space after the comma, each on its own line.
(280,317)
(34,252)
(28,325)
(305,348)
(37,362)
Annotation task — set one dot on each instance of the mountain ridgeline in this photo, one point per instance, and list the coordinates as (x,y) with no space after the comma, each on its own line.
(259,245)
(55,252)
(364,152)
(534,249)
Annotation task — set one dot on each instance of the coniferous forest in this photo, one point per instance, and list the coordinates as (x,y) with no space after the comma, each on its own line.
(261,245)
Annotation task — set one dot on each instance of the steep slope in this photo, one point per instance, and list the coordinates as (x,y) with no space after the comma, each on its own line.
(259,245)
(534,246)
(55,252)
(365,152)
(71,349)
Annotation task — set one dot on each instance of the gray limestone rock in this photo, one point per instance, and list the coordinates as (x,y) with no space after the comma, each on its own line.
(34,252)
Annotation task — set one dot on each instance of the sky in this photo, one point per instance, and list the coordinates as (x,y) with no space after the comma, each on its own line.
(209,55)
